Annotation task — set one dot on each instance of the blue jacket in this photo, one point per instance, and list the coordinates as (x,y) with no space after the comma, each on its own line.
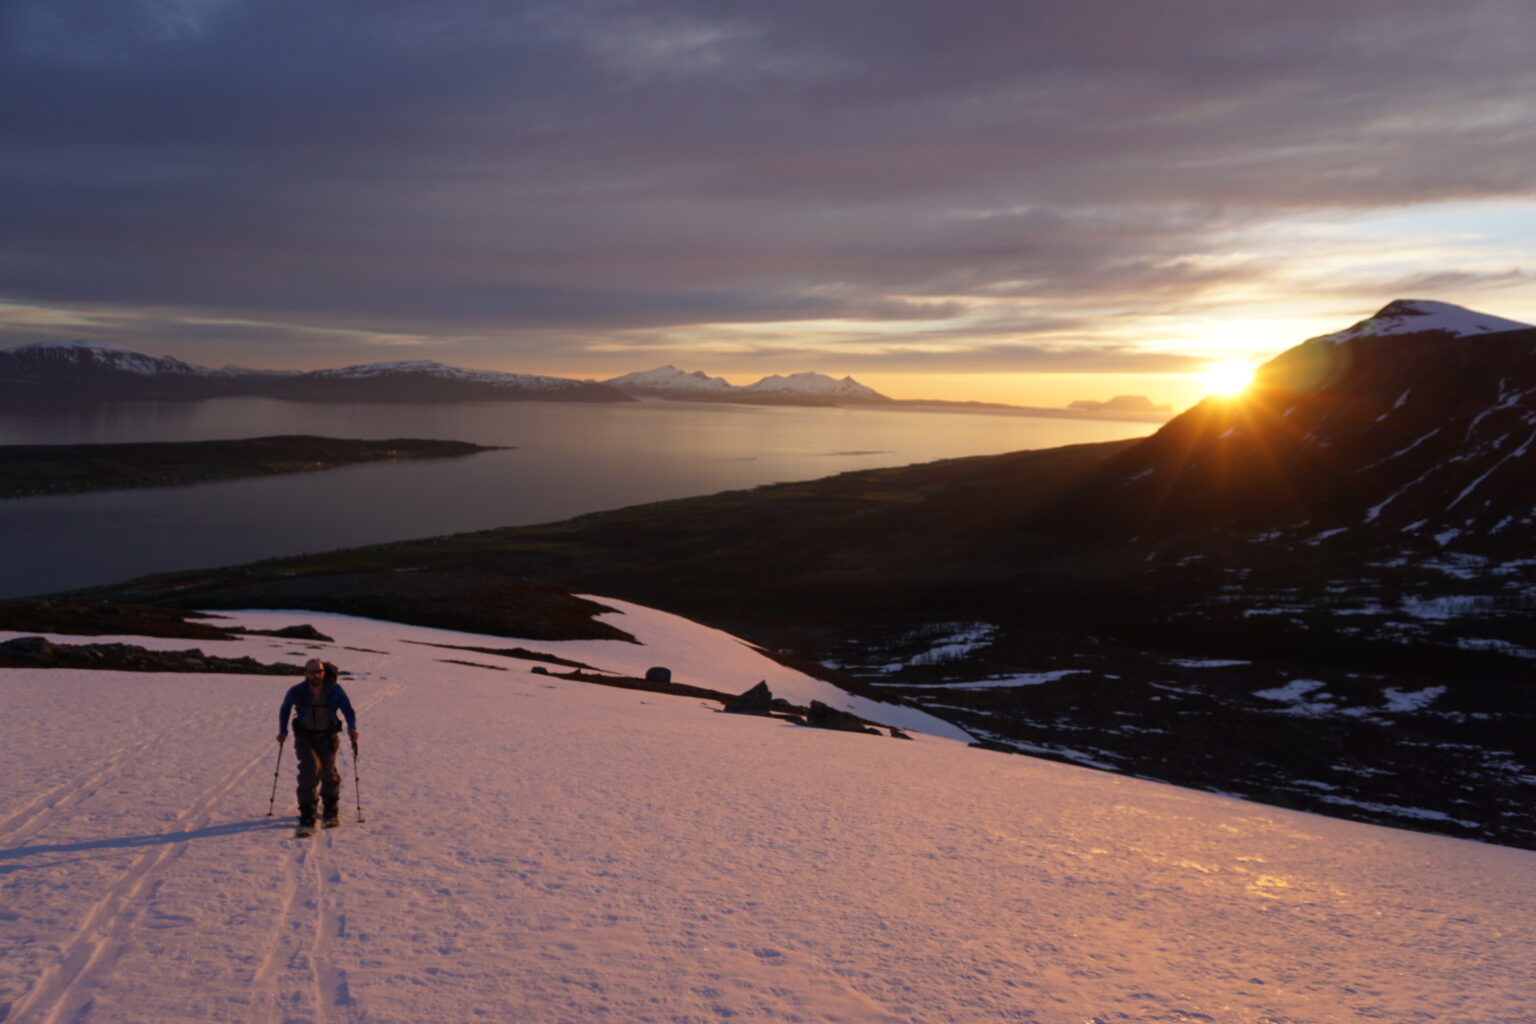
(333,699)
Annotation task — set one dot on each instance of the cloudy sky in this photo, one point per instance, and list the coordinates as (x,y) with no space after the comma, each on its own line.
(1017,200)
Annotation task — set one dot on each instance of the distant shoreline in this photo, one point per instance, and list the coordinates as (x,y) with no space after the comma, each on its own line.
(1003,409)
(923,405)
(31,470)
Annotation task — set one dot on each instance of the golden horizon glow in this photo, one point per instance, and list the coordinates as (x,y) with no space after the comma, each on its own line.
(1227,378)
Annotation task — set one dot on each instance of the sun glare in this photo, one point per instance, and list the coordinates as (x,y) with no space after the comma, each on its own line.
(1227,378)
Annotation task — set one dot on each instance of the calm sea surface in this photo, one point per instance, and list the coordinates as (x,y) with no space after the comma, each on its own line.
(569,459)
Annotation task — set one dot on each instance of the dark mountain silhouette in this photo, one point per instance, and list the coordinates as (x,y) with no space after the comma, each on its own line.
(1418,431)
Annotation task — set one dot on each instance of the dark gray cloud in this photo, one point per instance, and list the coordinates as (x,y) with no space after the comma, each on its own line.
(472,169)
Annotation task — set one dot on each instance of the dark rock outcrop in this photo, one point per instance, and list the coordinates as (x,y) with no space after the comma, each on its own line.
(756,701)
(100,618)
(39,652)
(825,717)
(300,632)
(993,745)
(658,674)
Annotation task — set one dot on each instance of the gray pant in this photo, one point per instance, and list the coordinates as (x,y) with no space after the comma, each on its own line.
(317,767)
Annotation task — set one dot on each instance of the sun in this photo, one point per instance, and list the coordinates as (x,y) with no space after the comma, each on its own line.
(1227,378)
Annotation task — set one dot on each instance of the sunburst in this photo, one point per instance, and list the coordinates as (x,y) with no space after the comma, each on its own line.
(1227,378)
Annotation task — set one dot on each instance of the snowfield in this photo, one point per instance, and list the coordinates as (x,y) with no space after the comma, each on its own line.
(1409,316)
(550,852)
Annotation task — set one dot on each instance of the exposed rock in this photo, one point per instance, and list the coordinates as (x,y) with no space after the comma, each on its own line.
(1000,748)
(659,674)
(38,652)
(899,735)
(300,632)
(825,717)
(509,652)
(98,618)
(471,664)
(756,701)
(633,683)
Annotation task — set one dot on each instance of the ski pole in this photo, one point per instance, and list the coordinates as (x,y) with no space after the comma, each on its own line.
(275,769)
(357,786)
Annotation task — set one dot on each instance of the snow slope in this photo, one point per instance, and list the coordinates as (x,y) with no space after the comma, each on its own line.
(1412,316)
(543,851)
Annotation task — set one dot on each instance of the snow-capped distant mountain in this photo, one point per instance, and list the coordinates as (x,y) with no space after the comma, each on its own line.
(796,389)
(425,381)
(1395,424)
(815,386)
(1414,316)
(78,356)
(427,368)
(76,370)
(65,370)
(668,381)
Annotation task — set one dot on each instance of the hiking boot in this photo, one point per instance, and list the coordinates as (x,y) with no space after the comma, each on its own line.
(331,821)
(306,819)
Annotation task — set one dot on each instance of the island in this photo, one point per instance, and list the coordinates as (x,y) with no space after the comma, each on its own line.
(36,469)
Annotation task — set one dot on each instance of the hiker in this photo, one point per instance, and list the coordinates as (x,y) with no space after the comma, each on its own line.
(316,729)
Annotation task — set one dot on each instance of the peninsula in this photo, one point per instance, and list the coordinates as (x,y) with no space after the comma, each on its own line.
(34,469)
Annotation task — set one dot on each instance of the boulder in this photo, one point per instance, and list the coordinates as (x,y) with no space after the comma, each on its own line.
(824,717)
(756,701)
(658,674)
(30,646)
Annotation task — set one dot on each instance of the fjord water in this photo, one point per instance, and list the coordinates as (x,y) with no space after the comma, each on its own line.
(568,459)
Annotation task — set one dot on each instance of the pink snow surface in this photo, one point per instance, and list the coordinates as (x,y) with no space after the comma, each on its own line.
(541,851)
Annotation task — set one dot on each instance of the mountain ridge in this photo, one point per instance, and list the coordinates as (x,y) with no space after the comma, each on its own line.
(807,388)
(1384,429)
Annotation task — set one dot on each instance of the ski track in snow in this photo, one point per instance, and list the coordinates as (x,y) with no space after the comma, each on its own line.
(129,891)
(547,852)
